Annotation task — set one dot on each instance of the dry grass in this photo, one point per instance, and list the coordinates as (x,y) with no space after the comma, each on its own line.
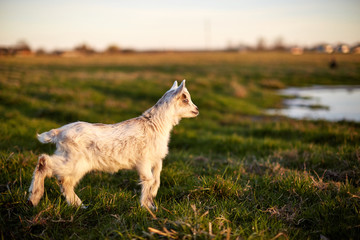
(272,84)
(239,91)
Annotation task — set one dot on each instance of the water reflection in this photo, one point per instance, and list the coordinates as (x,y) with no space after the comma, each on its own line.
(332,103)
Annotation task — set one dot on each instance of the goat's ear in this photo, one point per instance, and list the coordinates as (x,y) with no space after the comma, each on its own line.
(182,86)
(174,86)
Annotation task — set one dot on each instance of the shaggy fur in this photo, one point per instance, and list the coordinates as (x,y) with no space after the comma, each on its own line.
(140,143)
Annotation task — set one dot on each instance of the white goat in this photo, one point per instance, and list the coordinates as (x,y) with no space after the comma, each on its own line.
(140,143)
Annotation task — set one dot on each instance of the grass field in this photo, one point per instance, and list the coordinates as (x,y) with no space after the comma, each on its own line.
(232,173)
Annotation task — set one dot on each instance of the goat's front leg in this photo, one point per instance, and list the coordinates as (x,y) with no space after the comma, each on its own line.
(67,185)
(147,181)
(156,173)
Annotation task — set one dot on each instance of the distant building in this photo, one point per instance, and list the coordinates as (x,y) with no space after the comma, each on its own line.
(297,51)
(356,50)
(325,48)
(343,48)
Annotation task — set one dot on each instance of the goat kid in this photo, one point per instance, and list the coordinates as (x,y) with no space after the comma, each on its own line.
(140,143)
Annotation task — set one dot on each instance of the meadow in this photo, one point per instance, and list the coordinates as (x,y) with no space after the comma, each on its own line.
(232,173)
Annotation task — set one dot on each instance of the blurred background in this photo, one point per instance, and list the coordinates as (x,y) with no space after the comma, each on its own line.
(72,29)
(99,26)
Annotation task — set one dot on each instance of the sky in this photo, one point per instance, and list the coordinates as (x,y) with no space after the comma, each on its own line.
(169,24)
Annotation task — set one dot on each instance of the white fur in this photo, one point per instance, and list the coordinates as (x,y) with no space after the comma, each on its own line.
(140,143)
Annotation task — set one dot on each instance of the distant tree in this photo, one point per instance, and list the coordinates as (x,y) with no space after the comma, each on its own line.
(261,46)
(279,44)
(128,50)
(230,47)
(84,48)
(22,45)
(113,48)
(40,52)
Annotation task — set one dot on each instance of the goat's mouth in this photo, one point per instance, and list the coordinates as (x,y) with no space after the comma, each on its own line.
(195,112)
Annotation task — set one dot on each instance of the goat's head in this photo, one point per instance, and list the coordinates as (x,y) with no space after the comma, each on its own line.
(182,100)
(178,97)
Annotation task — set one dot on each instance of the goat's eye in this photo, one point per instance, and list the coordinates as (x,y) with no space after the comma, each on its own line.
(185,100)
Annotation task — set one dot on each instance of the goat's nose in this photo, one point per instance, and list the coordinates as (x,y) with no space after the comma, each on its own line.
(197,110)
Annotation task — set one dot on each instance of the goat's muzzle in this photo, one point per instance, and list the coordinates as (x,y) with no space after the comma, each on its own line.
(196,112)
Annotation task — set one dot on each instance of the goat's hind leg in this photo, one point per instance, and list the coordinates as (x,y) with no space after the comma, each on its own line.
(43,169)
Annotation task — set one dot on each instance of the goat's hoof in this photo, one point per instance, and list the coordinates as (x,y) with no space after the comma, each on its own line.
(152,207)
(84,207)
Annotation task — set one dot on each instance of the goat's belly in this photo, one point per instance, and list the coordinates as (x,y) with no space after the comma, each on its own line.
(112,164)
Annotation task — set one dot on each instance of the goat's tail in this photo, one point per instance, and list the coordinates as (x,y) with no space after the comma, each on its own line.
(50,136)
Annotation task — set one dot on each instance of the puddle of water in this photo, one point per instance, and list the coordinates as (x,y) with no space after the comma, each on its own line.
(332,103)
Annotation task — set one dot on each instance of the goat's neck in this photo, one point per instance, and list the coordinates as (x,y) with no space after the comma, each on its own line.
(162,118)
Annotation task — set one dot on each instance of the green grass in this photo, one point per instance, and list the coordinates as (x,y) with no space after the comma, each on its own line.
(232,172)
